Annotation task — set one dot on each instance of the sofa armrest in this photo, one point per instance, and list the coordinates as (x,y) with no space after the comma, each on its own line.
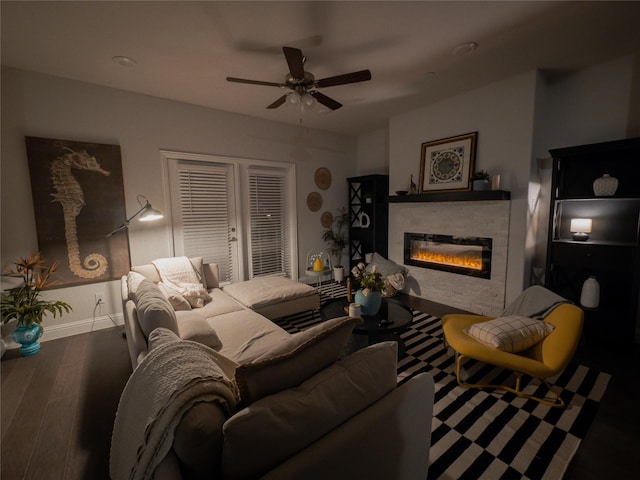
(136,341)
(390,439)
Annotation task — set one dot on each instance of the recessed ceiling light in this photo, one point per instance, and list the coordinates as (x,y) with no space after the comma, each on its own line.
(465,48)
(124,61)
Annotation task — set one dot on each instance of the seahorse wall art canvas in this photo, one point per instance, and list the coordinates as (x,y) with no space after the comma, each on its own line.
(78,196)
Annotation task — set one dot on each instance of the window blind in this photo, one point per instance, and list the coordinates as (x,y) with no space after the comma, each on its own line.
(269,239)
(204,215)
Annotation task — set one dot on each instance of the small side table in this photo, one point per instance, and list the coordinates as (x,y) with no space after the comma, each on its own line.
(319,275)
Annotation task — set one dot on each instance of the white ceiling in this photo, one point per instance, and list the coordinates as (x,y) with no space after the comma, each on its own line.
(185,50)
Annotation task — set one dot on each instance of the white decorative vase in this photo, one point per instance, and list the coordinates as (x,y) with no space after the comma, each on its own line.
(338,274)
(605,186)
(590,296)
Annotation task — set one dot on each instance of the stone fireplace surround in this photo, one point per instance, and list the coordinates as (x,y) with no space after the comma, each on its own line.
(461,218)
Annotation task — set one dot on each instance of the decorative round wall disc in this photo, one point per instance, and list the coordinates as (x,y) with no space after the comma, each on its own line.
(314,201)
(326,219)
(323,178)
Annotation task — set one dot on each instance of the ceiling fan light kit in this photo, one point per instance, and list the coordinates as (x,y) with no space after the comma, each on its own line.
(304,84)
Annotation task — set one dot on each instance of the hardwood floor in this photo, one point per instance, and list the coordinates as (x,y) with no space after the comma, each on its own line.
(58,408)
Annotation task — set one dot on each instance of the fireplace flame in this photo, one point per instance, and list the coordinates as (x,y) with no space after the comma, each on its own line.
(472,260)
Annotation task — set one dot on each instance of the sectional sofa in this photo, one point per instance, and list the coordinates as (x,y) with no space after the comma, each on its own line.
(223,392)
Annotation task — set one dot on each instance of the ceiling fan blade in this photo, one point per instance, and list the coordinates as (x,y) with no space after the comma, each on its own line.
(255,82)
(295,60)
(326,101)
(278,102)
(354,77)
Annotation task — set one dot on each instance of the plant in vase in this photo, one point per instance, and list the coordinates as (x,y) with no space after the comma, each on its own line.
(336,238)
(371,283)
(24,303)
(481,180)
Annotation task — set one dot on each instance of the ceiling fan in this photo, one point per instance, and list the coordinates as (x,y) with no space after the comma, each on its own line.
(304,83)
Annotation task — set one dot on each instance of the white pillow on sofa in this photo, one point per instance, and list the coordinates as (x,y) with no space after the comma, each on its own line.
(386,267)
(513,333)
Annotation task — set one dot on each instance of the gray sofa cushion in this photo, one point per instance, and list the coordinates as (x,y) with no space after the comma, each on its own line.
(160,336)
(291,362)
(260,437)
(198,329)
(154,309)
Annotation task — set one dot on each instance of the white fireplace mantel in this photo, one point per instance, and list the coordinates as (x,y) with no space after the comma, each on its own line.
(481,218)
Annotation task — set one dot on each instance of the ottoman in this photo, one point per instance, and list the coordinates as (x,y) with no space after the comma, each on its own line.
(274,297)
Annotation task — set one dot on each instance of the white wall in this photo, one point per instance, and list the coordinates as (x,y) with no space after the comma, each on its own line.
(373,152)
(51,107)
(502,113)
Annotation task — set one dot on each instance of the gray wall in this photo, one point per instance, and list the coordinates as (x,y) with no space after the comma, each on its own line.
(52,107)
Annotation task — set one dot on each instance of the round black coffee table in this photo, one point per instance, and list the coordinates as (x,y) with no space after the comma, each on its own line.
(392,319)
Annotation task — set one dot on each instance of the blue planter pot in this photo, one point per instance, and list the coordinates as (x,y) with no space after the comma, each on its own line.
(28,338)
(370,304)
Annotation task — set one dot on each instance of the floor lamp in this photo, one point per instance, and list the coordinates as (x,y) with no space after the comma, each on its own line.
(147,214)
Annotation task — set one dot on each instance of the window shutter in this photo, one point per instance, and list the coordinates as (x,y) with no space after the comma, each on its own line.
(204,215)
(269,238)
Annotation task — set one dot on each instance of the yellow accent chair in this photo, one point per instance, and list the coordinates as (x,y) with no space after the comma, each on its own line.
(545,359)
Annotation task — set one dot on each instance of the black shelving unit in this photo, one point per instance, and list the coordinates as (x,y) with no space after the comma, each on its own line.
(368,195)
(612,252)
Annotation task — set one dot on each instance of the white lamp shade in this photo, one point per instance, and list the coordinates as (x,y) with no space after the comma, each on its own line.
(582,225)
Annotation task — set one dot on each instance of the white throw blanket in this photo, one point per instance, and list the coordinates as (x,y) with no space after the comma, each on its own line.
(168,382)
(178,273)
(535,302)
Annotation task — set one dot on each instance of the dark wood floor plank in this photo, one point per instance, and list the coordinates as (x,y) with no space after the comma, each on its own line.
(52,445)
(21,435)
(14,386)
(107,370)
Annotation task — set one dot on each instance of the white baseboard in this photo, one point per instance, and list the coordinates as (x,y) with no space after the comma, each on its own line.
(74,328)
(82,326)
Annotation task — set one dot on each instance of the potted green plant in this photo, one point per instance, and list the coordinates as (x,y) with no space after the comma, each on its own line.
(481,180)
(336,238)
(24,303)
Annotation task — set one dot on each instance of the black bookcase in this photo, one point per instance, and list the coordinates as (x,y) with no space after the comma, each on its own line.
(368,198)
(611,253)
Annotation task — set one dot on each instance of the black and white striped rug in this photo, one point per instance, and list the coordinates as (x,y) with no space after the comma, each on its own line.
(491,434)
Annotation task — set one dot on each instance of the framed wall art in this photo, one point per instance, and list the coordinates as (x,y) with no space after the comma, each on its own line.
(447,164)
(78,196)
